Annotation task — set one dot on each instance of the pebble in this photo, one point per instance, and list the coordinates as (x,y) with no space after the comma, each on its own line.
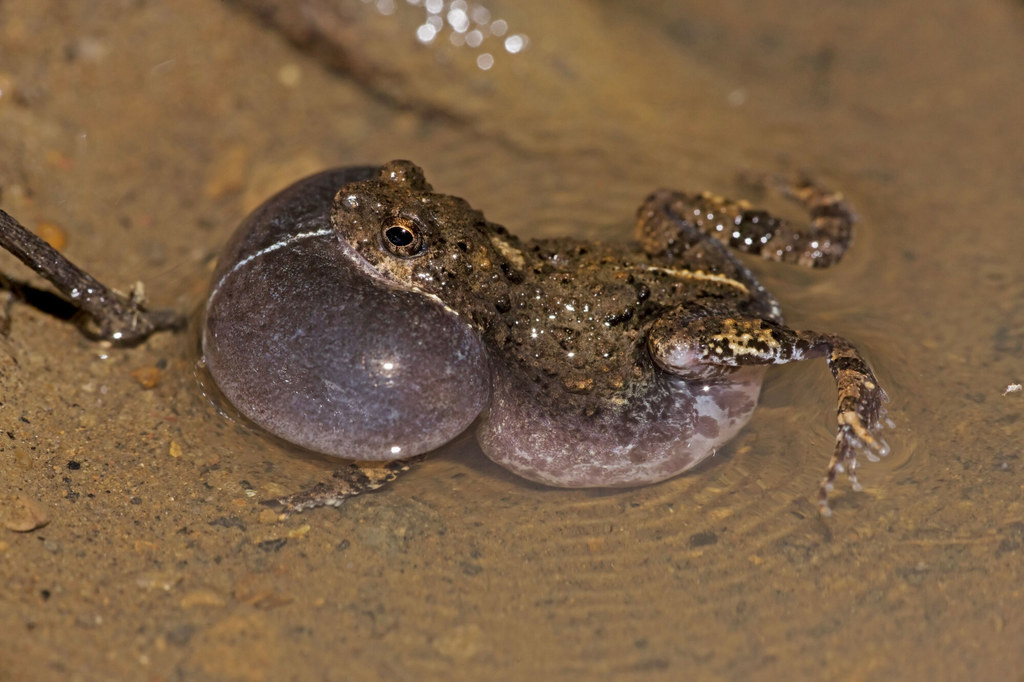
(202,597)
(227,173)
(289,75)
(461,642)
(6,86)
(148,377)
(24,514)
(299,532)
(22,458)
(164,581)
(53,234)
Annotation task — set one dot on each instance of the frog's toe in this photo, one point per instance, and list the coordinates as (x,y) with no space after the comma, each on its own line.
(858,431)
(355,479)
(863,432)
(320,495)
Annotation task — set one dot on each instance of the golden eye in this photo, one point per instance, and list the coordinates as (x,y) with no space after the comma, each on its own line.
(402,239)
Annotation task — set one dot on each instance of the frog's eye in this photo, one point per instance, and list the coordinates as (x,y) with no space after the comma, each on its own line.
(403,239)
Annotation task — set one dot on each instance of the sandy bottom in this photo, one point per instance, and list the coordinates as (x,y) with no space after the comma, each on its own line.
(143,132)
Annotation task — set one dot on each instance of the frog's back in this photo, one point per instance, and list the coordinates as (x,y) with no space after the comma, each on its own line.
(576,319)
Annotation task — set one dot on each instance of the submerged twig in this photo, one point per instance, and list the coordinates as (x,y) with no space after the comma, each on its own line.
(113,316)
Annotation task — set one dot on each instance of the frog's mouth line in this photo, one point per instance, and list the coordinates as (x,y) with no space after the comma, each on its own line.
(366,267)
(359,260)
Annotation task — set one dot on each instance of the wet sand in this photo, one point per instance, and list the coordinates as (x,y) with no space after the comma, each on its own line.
(145,131)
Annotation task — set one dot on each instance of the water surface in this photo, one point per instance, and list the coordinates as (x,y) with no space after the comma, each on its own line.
(148,130)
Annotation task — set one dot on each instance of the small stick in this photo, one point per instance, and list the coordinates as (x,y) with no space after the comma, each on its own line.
(117,318)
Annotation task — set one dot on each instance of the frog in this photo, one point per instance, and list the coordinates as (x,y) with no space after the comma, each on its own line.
(360,314)
(596,364)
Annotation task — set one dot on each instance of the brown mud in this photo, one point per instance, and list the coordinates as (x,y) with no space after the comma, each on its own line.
(144,131)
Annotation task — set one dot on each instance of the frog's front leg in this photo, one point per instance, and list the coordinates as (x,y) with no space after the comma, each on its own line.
(355,479)
(670,222)
(703,347)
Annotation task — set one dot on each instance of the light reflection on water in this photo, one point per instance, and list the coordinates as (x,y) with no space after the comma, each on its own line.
(466,25)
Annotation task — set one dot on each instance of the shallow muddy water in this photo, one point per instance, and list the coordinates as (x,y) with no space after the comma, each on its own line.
(147,130)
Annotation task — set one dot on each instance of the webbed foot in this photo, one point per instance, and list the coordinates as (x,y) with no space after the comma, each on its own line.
(355,479)
(861,417)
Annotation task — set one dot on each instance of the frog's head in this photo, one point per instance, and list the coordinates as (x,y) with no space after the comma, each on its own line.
(401,232)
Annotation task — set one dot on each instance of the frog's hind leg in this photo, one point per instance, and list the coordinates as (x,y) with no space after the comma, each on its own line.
(355,479)
(861,413)
(704,347)
(819,243)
